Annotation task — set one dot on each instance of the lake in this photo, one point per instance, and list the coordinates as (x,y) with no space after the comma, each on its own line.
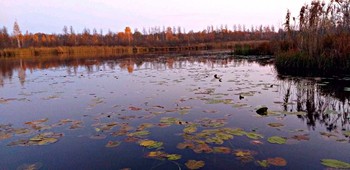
(169,111)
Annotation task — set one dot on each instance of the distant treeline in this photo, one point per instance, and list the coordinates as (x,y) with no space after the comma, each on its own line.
(153,37)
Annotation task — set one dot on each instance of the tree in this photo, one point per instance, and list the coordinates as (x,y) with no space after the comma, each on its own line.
(17,33)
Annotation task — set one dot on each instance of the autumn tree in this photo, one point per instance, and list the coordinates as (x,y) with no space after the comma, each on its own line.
(128,34)
(4,38)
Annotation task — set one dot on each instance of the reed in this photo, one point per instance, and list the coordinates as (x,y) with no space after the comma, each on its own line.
(318,40)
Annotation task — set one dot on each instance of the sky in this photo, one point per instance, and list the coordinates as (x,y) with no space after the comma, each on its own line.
(50,16)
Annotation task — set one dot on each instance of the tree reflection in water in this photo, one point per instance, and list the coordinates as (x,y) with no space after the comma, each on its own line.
(324,101)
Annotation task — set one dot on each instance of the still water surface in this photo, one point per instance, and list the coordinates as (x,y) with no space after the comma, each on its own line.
(160,112)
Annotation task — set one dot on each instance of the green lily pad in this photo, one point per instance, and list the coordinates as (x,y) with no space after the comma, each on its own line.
(236,132)
(277,140)
(169,120)
(151,144)
(253,135)
(173,157)
(139,133)
(224,136)
(333,163)
(347,89)
(215,140)
(190,129)
(263,163)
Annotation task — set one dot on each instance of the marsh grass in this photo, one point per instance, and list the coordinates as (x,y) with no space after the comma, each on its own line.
(318,41)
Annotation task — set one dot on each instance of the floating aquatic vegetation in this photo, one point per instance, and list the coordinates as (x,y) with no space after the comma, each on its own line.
(346,133)
(151,144)
(301,137)
(236,131)
(112,144)
(36,122)
(256,142)
(224,150)
(277,140)
(193,164)
(40,139)
(169,120)
(51,97)
(240,105)
(215,140)
(275,125)
(212,123)
(333,163)
(133,108)
(131,139)
(95,102)
(263,163)
(34,166)
(173,157)
(328,135)
(139,133)
(76,125)
(202,147)
(219,101)
(253,135)
(277,161)
(244,155)
(156,154)
(4,135)
(190,129)
(185,145)
(144,126)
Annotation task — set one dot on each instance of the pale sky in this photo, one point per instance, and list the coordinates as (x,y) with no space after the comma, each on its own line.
(49,16)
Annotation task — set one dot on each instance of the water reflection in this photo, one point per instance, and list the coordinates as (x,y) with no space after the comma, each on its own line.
(16,68)
(324,101)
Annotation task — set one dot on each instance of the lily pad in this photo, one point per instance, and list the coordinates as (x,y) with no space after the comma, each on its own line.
(47,141)
(224,150)
(5,135)
(236,132)
(112,144)
(173,157)
(193,164)
(333,163)
(275,125)
(151,144)
(139,133)
(185,145)
(190,129)
(34,166)
(278,161)
(263,163)
(253,135)
(156,154)
(277,140)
